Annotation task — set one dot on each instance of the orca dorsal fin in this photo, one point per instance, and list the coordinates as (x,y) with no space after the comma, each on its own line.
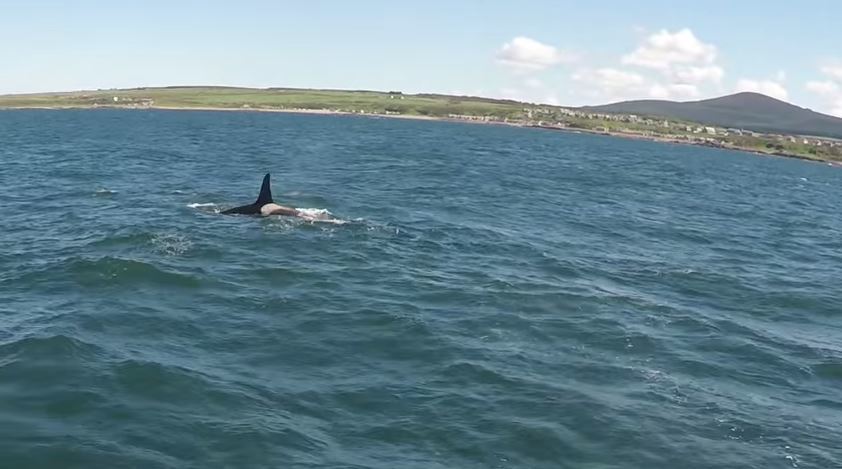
(265,196)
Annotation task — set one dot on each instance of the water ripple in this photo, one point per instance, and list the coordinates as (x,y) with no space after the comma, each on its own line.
(498,298)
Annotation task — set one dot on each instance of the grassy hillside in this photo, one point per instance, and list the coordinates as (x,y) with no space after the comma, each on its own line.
(675,129)
(275,98)
(744,110)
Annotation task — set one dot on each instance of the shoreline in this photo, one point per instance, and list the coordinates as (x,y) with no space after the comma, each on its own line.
(674,141)
(329,112)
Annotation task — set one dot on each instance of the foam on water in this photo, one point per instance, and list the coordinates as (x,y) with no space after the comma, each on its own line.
(207,207)
(172,244)
(320,215)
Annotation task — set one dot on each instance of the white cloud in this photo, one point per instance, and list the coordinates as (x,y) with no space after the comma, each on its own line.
(665,64)
(833,71)
(823,88)
(830,91)
(768,87)
(611,83)
(659,92)
(552,100)
(674,91)
(693,74)
(617,84)
(533,83)
(686,64)
(528,55)
(684,91)
(511,93)
(664,49)
(613,78)
(529,89)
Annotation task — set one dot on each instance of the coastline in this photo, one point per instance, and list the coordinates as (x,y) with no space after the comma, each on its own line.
(674,141)
(329,112)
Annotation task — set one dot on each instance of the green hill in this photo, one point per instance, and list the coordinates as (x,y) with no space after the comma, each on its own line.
(750,111)
(222,97)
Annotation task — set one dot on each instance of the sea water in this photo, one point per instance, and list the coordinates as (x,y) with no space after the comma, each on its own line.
(494,297)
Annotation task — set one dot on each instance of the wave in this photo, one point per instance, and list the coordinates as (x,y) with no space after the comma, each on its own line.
(172,244)
(106,271)
(828,370)
(47,347)
(160,381)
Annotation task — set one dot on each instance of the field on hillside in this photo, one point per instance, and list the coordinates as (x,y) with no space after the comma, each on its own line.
(429,105)
(275,98)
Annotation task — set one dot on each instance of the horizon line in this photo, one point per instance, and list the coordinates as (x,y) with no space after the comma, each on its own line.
(359,90)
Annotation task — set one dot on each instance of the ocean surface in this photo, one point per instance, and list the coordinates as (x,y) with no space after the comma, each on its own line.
(486,297)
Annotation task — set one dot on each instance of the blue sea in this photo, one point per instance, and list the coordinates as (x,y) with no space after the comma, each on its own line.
(485,297)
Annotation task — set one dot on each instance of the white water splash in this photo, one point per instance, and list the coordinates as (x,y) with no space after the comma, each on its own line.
(171,244)
(319,215)
(206,207)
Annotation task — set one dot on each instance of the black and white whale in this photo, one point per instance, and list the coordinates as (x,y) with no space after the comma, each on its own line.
(264,205)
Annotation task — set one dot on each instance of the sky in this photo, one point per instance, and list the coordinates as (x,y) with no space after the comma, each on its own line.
(543,51)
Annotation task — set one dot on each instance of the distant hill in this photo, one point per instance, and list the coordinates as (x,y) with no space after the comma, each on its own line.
(750,111)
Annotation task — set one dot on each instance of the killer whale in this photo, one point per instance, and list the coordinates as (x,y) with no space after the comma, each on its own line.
(264,205)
